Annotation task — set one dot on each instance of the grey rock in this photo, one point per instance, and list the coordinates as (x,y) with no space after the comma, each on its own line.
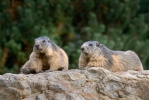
(90,84)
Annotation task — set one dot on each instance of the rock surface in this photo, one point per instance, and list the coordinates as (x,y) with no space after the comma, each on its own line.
(91,84)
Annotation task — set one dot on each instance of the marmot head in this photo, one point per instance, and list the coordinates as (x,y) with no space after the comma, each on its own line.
(41,44)
(91,48)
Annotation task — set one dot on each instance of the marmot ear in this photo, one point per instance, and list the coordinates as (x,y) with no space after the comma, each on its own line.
(97,44)
(48,40)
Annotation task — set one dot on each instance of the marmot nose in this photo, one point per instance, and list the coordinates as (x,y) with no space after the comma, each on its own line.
(37,46)
(82,49)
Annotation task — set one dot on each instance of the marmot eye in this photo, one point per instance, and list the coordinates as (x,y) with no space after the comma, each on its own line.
(43,41)
(90,44)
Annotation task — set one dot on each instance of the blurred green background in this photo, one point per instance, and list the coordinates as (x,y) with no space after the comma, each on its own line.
(118,24)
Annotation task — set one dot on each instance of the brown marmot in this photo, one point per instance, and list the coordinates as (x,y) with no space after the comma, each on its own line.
(46,55)
(95,54)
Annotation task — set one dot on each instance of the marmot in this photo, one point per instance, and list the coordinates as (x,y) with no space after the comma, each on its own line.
(95,54)
(46,55)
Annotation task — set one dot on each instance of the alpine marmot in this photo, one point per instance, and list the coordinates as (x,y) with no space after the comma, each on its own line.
(95,54)
(46,55)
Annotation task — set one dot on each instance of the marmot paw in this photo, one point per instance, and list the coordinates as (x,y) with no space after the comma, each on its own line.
(24,71)
(39,71)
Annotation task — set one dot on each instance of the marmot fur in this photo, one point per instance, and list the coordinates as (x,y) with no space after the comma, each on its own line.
(46,55)
(95,54)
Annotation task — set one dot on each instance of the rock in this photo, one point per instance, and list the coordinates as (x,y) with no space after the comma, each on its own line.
(90,84)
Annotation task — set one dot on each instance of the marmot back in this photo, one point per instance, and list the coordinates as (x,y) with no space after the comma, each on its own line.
(95,54)
(46,55)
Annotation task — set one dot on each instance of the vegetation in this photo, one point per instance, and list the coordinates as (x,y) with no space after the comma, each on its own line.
(118,24)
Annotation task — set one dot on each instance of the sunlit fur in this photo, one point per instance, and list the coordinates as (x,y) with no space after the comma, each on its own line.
(95,54)
(46,55)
